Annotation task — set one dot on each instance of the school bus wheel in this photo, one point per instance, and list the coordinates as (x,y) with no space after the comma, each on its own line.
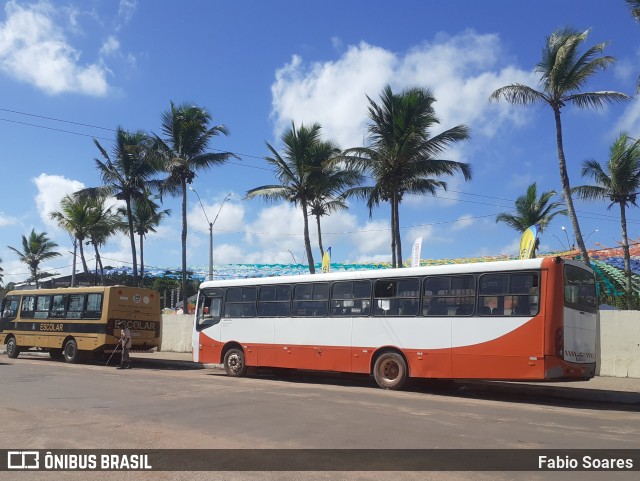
(71,354)
(12,348)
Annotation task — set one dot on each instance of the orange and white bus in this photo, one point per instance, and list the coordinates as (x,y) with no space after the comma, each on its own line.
(76,321)
(512,320)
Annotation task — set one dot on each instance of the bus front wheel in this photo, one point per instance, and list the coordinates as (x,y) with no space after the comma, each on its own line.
(390,371)
(71,353)
(12,348)
(234,363)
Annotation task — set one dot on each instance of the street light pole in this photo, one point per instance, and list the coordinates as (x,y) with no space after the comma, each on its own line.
(210,227)
(210,233)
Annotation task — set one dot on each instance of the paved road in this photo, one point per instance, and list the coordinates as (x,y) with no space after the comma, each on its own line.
(52,405)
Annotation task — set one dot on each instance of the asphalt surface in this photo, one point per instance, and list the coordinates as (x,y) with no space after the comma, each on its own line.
(600,389)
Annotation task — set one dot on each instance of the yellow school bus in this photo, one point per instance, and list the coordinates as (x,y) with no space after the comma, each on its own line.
(76,322)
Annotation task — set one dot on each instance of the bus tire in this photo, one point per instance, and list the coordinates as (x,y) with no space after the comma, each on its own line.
(390,371)
(56,354)
(12,348)
(234,363)
(71,353)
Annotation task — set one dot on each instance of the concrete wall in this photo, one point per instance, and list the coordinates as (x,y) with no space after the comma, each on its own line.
(617,350)
(176,332)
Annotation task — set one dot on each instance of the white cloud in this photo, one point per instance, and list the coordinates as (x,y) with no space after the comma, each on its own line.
(34,49)
(110,46)
(630,120)
(463,222)
(7,220)
(462,71)
(126,9)
(51,190)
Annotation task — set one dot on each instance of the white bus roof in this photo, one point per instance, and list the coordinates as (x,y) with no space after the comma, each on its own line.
(496,266)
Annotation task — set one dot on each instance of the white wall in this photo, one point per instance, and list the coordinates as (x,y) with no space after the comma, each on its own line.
(176,332)
(617,350)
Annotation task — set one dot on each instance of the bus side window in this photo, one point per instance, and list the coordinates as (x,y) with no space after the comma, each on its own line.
(28,307)
(94,306)
(42,307)
(75,306)
(57,306)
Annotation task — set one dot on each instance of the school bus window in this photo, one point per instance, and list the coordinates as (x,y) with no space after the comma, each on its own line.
(76,304)
(28,307)
(94,306)
(57,306)
(42,307)
(10,307)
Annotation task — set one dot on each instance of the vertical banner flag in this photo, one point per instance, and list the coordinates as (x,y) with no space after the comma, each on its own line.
(416,252)
(528,242)
(326,261)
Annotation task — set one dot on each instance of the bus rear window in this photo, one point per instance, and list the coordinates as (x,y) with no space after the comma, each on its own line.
(579,289)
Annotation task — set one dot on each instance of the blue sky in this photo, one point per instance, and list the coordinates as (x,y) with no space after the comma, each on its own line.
(257,66)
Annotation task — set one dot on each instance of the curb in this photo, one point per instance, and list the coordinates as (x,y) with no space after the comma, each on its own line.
(556,392)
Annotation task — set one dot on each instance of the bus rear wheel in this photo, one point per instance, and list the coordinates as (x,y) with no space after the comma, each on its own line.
(234,363)
(390,371)
(71,353)
(12,348)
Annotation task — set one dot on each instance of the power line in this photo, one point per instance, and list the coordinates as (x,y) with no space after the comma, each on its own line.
(603,216)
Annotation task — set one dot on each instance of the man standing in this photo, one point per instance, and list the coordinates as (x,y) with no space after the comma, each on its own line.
(125,341)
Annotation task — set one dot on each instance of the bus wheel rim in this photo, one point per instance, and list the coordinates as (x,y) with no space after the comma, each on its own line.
(390,370)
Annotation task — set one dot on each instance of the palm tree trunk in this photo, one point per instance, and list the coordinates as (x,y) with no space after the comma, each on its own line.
(84,261)
(319,236)
(397,231)
(99,260)
(627,257)
(393,235)
(184,245)
(141,259)
(34,274)
(566,188)
(133,243)
(307,240)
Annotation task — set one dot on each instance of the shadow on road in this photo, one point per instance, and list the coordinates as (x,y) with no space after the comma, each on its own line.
(525,393)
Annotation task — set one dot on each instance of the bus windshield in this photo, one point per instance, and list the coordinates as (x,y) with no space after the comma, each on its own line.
(580,289)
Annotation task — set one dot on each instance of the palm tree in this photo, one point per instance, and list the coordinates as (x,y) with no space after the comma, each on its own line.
(125,176)
(563,72)
(183,152)
(329,182)
(403,157)
(634,5)
(296,169)
(533,210)
(105,224)
(36,249)
(75,217)
(619,182)
(1,271)
(146,217)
